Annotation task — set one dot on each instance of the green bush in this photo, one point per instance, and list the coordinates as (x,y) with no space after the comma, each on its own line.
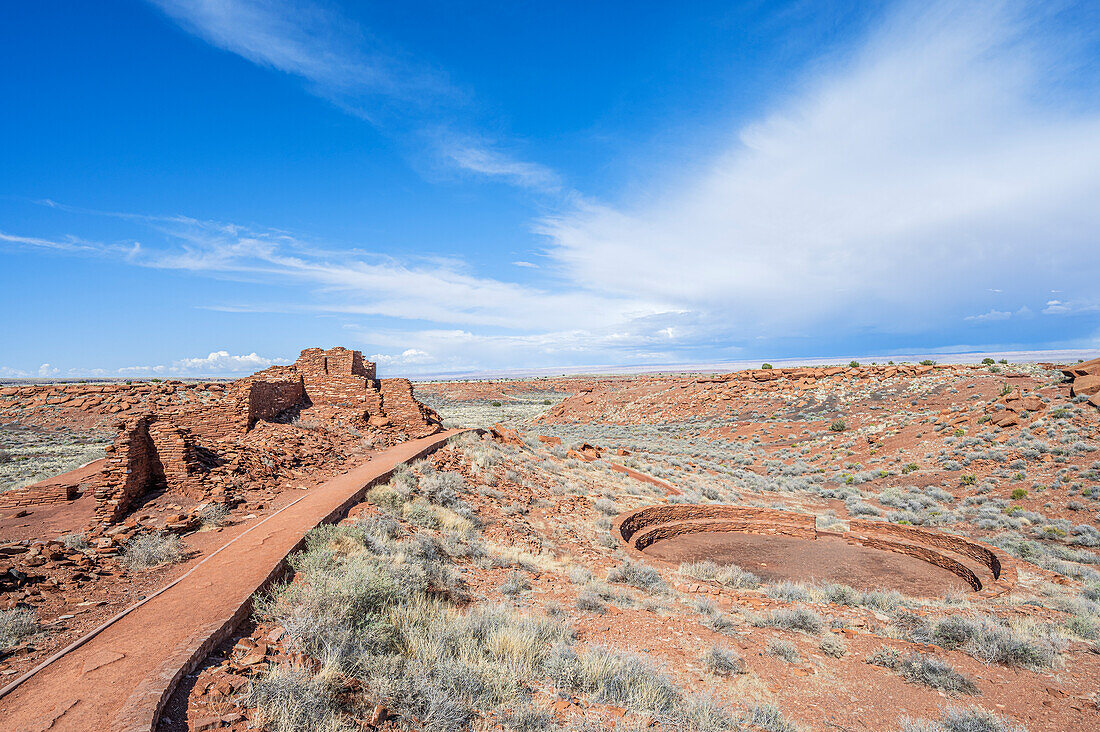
(838,426)
(496,404)
(765,366)
(968,480)
(1019,493)
(927,362)
(988,361)
(853,364)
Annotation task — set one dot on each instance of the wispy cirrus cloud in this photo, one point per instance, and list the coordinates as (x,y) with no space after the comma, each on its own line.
(342,62)
(444,302)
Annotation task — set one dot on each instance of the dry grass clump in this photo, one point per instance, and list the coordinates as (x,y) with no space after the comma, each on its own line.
(16,625)
(729,575)
(637,575)
(972,719)
(991,641)
(926,670)
(832,646)
(798,618)
(782,650)
(723,661)
(152,550)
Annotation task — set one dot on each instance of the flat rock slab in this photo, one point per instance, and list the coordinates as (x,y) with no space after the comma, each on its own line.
(119,679)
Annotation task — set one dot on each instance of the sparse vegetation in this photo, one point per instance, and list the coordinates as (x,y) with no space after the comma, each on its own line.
(146,551)
(16,625)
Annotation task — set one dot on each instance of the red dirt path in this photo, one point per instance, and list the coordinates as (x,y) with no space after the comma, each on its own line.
(118,679)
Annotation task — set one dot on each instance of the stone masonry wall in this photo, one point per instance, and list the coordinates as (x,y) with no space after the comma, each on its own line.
(132,465)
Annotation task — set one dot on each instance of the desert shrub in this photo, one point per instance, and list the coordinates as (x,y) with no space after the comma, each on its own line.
(838,594)
(627,680)
(972,719)
(788,592)
(528,719)
(853,364)
(932,672)
(589,602)
(729,575)
(723,661)
(637,575)
(152,550)
(214,515)
(831,645)
(496,404)
(782,650)
(606,506)
(1084,535)
(75,541)
(1019,493)
(699,713)
(290,700)
(989,641)
(798,618)
(515,583)
(838,425)
(768,718)
(15,625)
(442,488)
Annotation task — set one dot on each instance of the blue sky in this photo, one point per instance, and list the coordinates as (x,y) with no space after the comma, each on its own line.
(207,186)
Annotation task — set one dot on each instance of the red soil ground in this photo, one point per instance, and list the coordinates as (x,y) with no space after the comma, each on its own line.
(826,559)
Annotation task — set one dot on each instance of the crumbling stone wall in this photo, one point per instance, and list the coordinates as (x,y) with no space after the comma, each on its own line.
(269,399)
(132,466)
(404,411)
(37,495)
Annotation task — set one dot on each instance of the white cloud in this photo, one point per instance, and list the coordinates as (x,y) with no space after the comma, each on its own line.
(937,161)
(217,363)
(483,160)
(531,265)
(405,358)
(12,373)
(991,315)
(1061,307)
(47,370)
(221,362)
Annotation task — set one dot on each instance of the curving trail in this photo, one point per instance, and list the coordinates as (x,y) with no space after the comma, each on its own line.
(120,678)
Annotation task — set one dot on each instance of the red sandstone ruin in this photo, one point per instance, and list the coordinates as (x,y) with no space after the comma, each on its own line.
(200,440)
